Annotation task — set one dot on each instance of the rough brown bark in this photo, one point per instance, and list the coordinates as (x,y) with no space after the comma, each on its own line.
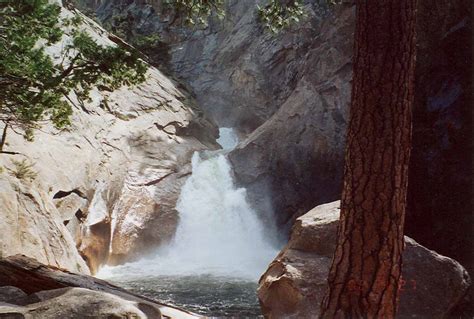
(365,274)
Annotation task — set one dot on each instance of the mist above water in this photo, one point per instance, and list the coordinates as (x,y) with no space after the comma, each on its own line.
(228,140)
(218,234)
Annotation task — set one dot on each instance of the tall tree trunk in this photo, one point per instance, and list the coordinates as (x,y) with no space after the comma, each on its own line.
(366,269)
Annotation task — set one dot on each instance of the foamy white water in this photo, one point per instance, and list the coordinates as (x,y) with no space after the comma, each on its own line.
(218,233)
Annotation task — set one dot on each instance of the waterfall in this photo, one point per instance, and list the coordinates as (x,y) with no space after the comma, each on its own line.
(218,232)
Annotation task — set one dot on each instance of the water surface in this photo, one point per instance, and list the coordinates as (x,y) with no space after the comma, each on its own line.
(205,294)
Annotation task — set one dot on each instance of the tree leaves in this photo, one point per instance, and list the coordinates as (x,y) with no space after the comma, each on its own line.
(278,14)
(32,86)
(195,12)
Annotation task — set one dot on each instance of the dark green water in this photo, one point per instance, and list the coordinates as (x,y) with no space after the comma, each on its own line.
(206,295)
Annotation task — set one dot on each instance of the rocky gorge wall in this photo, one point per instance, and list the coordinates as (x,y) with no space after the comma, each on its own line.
(104,189)
(289,95)
(259,83)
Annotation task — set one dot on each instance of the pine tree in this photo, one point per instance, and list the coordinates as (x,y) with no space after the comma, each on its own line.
(33,87)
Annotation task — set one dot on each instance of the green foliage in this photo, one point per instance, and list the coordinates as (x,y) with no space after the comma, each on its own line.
(23,170)
(29,134)
(93,64)
(145,43)
(32,85)
(150,46)
(120,24)
(123,26)
(279,14)
(196,12)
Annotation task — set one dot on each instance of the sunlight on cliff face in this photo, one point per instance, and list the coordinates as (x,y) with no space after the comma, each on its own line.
(218,233)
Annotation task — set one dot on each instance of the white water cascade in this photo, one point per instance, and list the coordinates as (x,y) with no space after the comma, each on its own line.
(218,233)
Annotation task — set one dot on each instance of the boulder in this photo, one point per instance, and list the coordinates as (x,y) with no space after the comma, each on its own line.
(295,282)
(80,303)
(143,207)
(57,293)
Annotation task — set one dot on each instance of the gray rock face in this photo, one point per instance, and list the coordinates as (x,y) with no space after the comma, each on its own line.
(295,158)
(105,180)
(295,282)
(240,74)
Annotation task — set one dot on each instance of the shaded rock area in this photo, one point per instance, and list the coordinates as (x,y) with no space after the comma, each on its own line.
(294,159)
(43,291)
(105,188)
(295,282)
(440,198)
(11,294)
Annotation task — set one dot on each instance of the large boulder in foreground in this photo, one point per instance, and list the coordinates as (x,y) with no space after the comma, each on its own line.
(295,281)
(76,302)
(43,291)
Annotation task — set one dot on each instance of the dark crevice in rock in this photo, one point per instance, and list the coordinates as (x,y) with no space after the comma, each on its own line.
(80,215)
(156,181)
(62,194)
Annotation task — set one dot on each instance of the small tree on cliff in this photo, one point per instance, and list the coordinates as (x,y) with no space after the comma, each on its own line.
(365,273)
(32,85)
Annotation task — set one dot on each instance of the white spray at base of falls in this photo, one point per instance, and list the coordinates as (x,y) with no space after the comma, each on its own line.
(218,233)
